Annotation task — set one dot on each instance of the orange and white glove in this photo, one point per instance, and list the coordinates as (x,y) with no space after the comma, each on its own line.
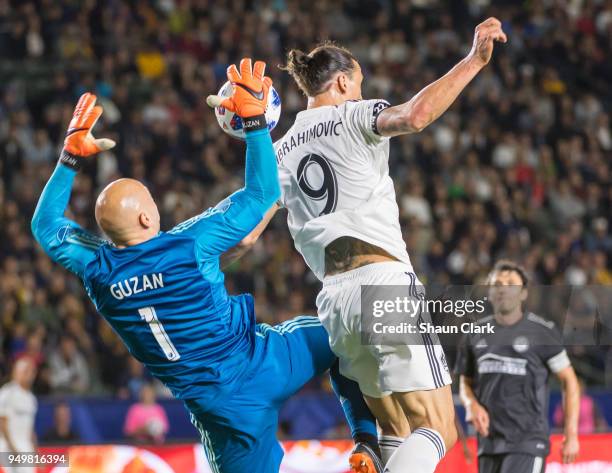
(250,95)
(79,142)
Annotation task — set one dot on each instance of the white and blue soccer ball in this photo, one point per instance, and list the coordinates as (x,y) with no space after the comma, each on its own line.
(231,123)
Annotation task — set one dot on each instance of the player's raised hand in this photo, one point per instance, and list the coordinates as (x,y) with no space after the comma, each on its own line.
(251,88)
(79,141)
(485,34)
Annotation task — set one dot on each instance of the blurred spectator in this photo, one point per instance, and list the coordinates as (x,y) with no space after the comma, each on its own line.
(69,370)
(61,433)
(136,377)
(146,421)
(17,411)
(33,347)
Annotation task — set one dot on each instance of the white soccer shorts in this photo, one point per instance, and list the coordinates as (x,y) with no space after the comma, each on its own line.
(419,365)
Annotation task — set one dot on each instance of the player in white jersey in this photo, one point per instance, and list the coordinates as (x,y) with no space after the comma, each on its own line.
(344,219)
(17,412)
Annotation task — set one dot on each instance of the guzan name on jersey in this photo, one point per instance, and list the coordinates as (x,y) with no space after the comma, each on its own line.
(334,175)
(136,284)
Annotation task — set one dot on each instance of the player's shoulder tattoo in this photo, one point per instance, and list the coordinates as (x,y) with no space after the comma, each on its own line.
(549,324)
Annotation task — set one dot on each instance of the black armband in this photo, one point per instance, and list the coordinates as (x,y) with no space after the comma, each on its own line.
(257,122)
(376,109)
(71,160)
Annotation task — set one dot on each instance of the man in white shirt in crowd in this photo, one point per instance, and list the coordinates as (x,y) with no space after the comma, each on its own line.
(17,412)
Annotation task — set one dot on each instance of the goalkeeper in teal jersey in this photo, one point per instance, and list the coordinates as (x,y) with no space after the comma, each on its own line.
(164,294)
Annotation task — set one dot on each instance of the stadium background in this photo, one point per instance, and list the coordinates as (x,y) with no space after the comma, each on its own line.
(518,168)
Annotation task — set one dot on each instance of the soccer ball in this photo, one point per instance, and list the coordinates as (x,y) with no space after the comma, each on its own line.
(231,123)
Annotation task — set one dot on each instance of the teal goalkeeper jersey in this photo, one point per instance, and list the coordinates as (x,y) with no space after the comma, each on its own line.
(166,297)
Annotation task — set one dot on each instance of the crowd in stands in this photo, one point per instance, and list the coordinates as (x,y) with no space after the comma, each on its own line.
(518,168)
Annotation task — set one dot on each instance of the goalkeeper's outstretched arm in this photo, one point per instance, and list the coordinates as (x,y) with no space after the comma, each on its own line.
(234,218)
(431,102)
(248,242)
(226,225)
(61,238)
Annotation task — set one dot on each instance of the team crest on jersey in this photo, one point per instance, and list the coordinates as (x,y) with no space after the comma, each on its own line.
(520,344)
(223,206)
(63,232)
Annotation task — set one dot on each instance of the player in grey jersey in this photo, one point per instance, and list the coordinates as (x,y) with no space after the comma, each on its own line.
(504,381)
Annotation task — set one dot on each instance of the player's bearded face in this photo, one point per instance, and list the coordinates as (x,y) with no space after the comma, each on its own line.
(353,90)
(507,292)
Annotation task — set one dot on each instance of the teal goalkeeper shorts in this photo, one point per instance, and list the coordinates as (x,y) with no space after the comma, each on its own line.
(239,435)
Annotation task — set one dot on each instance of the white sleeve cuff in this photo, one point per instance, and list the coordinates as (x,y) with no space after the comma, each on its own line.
(559,362)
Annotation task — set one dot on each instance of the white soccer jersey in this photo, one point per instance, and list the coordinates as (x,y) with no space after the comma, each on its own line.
(334,176)
(19,407)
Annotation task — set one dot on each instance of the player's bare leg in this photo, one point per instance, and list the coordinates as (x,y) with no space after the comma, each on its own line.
(430,417)
(394,428)
(392,422)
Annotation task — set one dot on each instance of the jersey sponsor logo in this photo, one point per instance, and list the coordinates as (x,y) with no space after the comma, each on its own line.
(520,344)
(482,343)
(136,284)
(289,143)
(539,320)
(492,363)
(325,174)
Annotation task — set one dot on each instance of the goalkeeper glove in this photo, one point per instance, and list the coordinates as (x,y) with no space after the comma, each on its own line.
(79,142)
(250,95)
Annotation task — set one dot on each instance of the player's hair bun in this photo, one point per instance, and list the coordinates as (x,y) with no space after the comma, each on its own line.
(297,61)
(313,71)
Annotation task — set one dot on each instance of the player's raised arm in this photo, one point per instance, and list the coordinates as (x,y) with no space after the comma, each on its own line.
(225,225)
(431,102)
(62,239)
(245,245)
